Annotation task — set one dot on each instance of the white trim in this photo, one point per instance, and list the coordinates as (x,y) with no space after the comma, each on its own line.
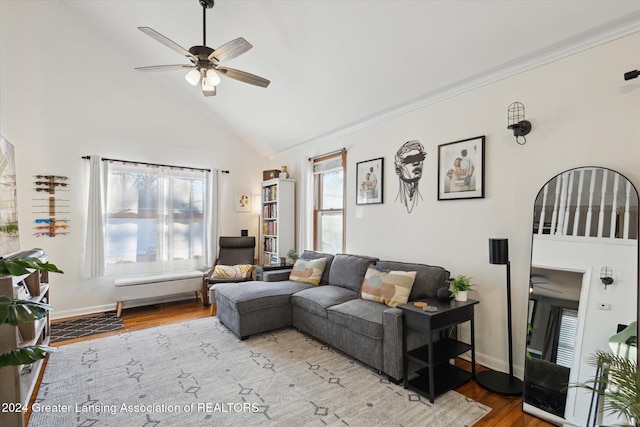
(83,311)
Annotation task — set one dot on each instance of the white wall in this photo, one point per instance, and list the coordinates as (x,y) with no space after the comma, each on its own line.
(583,114)
(58,104)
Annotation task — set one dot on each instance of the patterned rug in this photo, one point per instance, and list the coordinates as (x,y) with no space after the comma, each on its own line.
(197,373)
(106,322)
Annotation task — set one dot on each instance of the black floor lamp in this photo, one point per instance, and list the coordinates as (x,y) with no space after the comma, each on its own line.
(500,382)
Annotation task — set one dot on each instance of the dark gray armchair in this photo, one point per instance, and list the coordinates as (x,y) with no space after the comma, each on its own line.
(233,251)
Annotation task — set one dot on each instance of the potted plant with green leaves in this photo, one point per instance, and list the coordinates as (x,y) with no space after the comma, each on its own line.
(292,256)
(617,380)
(13,311)
(459,286)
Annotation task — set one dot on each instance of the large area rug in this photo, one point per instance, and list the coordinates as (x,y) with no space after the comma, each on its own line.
(197,373)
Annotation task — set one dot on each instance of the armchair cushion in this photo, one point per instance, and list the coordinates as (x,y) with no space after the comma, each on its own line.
(239,271)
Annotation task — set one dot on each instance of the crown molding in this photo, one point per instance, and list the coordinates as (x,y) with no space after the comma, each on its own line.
(568,47)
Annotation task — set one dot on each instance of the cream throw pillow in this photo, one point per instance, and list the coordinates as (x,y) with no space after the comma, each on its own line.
(387,286)
(231,271)
(308,270)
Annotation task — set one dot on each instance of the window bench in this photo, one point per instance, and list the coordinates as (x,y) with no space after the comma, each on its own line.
(156,285)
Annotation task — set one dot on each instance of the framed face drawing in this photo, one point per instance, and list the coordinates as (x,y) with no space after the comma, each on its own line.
(409,166)
(461,169)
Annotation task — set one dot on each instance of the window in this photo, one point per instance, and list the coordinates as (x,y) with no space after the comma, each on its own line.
(328,211)
(155,217)
(567,337)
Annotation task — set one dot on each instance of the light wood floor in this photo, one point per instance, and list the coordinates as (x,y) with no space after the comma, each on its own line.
(506,411)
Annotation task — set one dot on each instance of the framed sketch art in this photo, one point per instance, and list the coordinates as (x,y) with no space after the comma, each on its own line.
(461,169)
(369,179)
(243,201)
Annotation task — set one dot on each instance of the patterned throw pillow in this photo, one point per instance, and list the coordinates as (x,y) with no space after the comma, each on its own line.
(308,270)
(231,271)
(387,286)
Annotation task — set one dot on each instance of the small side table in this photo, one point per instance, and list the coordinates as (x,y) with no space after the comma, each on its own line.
(437,375)
(261,269)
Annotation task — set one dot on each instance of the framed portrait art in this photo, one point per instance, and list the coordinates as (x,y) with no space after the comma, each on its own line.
(369,179)
(461,169)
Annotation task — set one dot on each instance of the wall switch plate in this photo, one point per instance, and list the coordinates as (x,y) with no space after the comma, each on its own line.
(604,306)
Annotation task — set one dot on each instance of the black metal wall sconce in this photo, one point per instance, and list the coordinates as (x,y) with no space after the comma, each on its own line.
(606,275)
(517,122)
(631,74)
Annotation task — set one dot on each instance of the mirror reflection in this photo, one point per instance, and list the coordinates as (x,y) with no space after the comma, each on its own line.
(583,287)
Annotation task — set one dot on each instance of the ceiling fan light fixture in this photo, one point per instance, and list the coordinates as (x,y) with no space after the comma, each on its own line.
(213,77)
(193,77)
(207,84)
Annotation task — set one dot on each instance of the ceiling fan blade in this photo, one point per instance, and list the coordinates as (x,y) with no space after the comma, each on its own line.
(244,77)
(230,50)
(167,42)
(165,67)
(209,92)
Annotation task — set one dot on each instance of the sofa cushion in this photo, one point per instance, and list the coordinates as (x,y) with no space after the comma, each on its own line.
(315,255)
(348,271)
(362,316)
(390,287)
(253,296)
(428,278)
(308,270)
(316,300)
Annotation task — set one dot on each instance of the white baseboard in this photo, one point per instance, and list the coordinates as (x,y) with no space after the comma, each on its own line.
(64,314)
(493,363)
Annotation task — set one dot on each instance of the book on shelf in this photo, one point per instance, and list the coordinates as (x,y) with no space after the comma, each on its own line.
(270,193)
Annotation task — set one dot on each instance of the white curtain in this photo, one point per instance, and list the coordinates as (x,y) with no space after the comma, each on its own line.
(179,238)
(212,218)
(94,265)
(306,206)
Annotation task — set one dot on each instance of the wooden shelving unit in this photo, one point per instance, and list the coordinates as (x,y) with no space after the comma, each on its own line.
(17,383)
(278,220)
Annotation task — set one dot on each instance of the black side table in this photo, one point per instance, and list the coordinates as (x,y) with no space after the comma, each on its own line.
(437,375)
(261,269)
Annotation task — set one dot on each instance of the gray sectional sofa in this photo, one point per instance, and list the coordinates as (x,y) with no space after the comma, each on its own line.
(332,312)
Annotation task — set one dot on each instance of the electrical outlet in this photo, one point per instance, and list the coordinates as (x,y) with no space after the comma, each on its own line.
(604,306)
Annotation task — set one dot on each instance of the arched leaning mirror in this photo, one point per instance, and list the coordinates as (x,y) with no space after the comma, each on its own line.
(583,289)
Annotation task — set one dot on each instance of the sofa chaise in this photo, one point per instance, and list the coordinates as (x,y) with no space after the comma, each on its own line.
(333,311)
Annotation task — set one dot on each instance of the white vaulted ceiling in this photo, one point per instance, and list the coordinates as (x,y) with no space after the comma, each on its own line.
(338,65)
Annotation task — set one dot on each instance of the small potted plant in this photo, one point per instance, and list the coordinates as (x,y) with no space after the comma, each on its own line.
(292,255)
(459,287)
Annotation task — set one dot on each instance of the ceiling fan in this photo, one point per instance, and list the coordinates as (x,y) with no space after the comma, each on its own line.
(205,68)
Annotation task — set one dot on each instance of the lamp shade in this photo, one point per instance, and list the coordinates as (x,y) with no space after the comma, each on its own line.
(193,77)
(498,251)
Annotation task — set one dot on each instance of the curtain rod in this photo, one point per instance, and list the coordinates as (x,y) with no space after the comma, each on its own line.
(104,159)
(342,150)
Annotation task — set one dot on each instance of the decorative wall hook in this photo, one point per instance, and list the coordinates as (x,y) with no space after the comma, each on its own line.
(517,123)
(606,275)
